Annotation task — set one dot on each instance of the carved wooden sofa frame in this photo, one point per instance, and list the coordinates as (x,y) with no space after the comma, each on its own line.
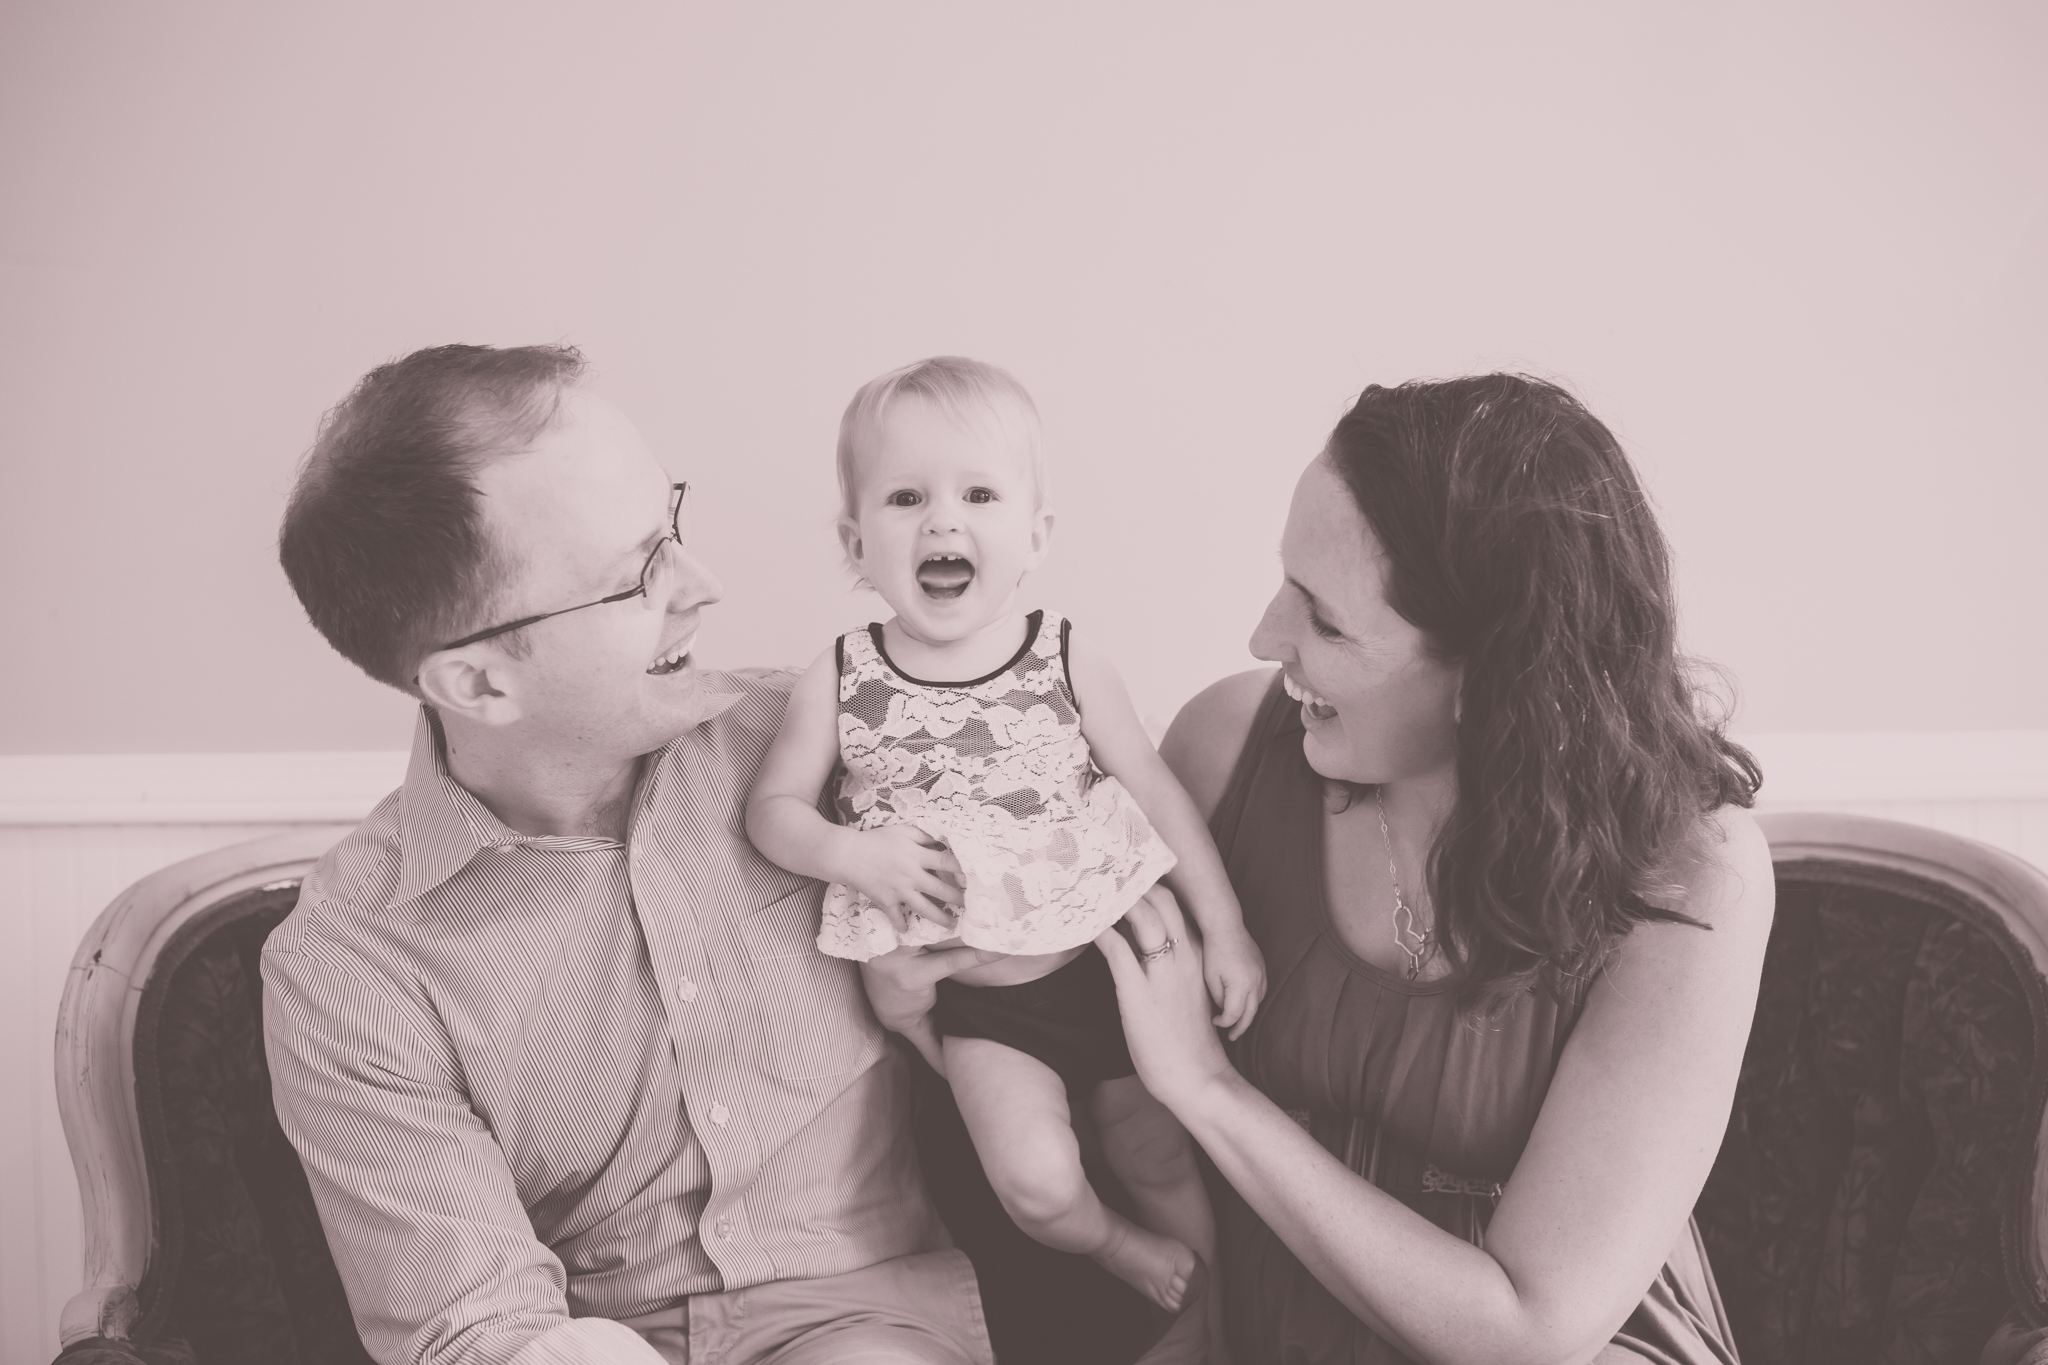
(97,1030)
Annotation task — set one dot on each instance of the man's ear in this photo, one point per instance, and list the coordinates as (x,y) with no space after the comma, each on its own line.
(470,682)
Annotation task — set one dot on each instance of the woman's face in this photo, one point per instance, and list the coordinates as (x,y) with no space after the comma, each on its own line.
(1377,706)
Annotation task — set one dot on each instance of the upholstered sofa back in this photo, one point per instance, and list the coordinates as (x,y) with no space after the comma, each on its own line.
(1867,1199)
(242,1272)
(1871,1202)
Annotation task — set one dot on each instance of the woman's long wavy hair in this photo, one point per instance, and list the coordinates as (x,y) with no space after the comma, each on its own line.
(1519,541)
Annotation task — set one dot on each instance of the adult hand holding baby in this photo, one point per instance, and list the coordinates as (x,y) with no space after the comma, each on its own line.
(1165,1002)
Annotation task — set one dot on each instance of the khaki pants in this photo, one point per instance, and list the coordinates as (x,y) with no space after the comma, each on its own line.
(915,1310)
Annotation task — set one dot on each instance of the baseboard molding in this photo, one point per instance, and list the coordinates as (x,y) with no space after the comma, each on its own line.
(1810,769)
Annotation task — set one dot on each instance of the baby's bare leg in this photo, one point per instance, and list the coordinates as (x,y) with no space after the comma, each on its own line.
(1016,1111)
(1155,1158)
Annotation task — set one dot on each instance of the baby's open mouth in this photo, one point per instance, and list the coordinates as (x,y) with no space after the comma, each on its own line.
(944,577)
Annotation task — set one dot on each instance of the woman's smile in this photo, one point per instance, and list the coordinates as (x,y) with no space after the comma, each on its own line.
(1313,707)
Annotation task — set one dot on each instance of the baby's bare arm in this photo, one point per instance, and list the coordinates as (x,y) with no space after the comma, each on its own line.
(898,868)
(782,811)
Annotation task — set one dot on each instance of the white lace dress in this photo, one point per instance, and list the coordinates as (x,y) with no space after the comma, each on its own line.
(1053,851)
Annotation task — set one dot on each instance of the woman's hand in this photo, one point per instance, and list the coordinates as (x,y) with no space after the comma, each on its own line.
(904,872)
(1236,972)
(1165,1003)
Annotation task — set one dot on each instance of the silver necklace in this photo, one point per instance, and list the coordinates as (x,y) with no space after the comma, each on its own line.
(1418,945)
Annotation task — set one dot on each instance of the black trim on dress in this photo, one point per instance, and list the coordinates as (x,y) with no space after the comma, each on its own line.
(1031,625)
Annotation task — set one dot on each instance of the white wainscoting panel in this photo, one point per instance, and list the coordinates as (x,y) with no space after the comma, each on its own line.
(54,881)
(1989,785)
(76,830)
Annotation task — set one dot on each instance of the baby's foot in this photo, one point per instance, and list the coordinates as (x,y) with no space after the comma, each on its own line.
(1157,1267)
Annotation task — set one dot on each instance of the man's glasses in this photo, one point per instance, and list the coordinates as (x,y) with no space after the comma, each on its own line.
(658,560)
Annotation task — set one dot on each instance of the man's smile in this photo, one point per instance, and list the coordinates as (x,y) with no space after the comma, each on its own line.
(675,658)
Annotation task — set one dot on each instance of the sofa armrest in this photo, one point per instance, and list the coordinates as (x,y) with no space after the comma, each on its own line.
(110,1351)
(2015,1343)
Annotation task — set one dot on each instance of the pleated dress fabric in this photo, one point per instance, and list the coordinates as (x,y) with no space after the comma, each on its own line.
(1389,1077)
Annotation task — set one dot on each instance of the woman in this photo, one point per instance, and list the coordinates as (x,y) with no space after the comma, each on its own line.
(1512,909)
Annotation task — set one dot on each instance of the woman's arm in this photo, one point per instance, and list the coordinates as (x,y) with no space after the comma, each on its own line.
(1123,750)
(1620,1149)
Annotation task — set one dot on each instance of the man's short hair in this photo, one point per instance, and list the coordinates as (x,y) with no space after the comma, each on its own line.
(384,538)
(973,393)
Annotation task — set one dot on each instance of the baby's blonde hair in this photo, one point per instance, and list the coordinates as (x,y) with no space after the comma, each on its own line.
(973,393)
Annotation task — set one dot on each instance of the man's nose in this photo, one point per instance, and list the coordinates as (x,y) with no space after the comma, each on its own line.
(695,585)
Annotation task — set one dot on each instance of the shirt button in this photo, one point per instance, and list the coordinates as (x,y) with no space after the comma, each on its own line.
(686,990)
(719,1113)
(724,1228)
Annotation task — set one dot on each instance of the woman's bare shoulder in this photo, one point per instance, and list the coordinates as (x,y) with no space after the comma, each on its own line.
(1202,744)
(1724,878)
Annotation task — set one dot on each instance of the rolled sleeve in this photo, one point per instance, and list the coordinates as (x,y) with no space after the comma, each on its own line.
(432,1243)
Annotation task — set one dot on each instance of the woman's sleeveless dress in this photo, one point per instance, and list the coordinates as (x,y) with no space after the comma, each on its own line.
(1390,1079)
(1052,851)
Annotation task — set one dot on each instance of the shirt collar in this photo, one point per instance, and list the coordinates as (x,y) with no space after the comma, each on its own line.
(443,825)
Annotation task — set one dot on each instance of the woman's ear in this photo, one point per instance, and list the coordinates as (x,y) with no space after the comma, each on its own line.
(469,683)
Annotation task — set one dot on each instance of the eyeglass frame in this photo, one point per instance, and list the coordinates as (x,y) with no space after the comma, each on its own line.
(675,533)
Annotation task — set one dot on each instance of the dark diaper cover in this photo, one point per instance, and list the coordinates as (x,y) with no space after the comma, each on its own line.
(1067,1019)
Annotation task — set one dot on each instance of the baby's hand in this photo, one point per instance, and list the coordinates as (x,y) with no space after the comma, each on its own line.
(905,871)
(1235,971)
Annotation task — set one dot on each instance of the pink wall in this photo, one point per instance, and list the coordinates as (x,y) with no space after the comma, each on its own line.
(1797,254)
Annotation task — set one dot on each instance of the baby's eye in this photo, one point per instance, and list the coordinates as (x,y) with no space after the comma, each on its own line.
(905,497)
(981,495)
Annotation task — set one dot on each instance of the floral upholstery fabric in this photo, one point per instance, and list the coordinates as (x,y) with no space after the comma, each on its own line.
(1883,1127)
(241,1275)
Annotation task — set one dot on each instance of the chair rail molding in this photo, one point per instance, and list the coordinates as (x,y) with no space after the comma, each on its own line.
(1905,765)
(194,789)
(1853,768)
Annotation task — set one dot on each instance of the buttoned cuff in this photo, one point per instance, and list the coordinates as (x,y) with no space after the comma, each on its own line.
(588,1341)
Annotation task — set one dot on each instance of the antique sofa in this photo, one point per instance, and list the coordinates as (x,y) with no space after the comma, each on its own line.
(1879,1195)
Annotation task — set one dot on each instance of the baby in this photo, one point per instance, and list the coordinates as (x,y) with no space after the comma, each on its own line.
(994,766)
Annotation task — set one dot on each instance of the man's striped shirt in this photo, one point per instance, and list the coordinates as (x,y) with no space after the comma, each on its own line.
(542,1079)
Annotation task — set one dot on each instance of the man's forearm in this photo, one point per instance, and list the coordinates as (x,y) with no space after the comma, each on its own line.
(587,1341)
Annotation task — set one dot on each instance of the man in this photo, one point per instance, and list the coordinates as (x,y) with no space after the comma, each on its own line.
(569,1080)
